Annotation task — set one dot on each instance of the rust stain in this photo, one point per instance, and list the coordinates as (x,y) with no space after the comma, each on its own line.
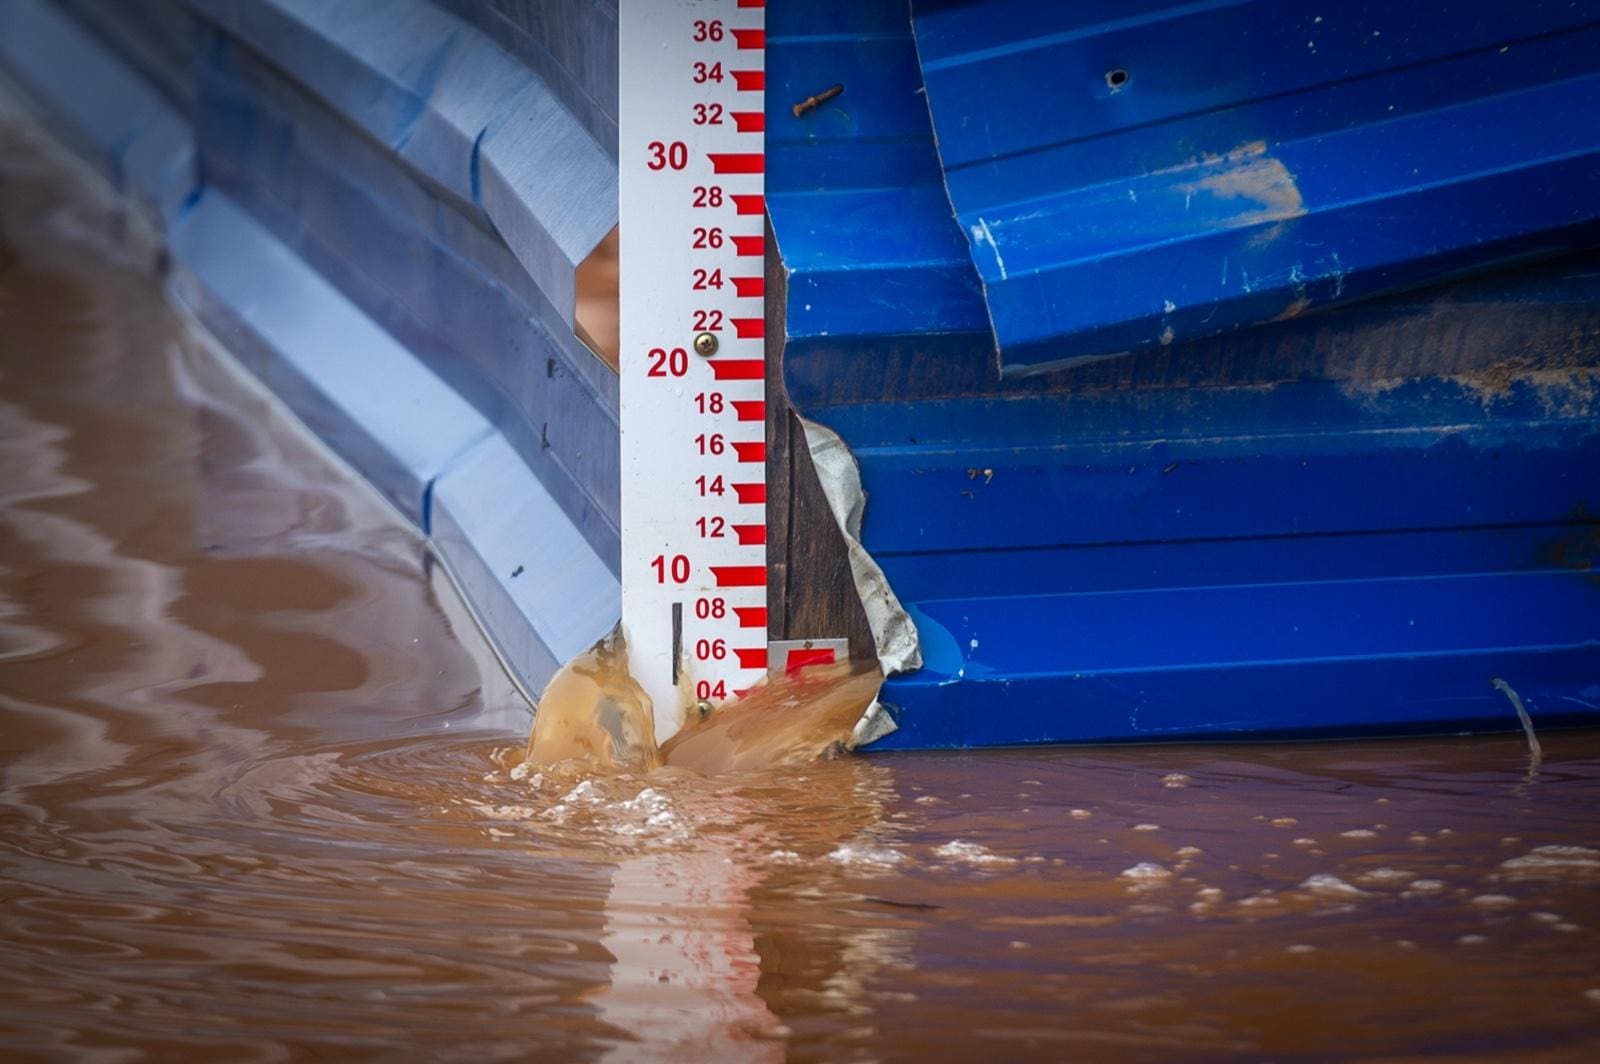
(1562,392)
(1294,310)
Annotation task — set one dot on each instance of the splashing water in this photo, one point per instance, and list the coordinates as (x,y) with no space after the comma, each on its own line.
(594,713)
(790,720)
(594,716)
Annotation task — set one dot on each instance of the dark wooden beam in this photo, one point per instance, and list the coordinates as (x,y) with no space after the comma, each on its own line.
(810,593)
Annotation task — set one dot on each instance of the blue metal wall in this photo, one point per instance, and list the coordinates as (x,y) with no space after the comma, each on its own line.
(1333,523)
(1147,173)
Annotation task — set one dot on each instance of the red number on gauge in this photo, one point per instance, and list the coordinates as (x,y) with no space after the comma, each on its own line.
(677,569)
(664,363)
(664,156)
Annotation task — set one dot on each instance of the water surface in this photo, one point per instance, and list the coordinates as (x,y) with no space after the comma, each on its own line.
(261,798)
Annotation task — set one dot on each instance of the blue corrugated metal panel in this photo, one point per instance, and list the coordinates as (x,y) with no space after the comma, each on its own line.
(438,281)
(1321,557)
(571,44)
(854,192)
(532,579)
(1366,560)
(1182,169)
(1065,690)
(139,138)
(155,37)
(464,113)
(321,354)
(1337,522)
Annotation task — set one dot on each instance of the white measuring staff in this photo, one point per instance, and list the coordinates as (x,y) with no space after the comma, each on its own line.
(694,515)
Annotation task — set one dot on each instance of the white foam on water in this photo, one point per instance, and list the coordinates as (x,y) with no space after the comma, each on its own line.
(1494,901)
(1386,876)
(1554,862)
(971,853)
(1359,833)
(648,800)
(503,812)
(1328,886)
(865,855)
(1422,887)
(1146,875)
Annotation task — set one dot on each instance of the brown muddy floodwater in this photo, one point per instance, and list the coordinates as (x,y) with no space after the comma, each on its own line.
(260,799)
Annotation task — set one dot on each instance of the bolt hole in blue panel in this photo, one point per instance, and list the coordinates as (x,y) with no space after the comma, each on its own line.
(1269,159)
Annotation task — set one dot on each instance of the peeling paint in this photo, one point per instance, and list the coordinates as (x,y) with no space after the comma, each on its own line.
(1265,189)
(982,235)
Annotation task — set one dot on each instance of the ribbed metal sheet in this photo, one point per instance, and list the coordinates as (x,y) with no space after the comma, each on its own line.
(1141,174)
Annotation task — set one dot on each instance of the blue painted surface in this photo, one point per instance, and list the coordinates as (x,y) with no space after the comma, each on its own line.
(316,350)
(1156,172)
(446,287)
(854,188)
(1245,561)
(446,100)
(138,139)
(534,581)
(1346,522)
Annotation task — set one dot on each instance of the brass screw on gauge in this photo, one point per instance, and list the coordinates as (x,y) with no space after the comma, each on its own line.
(703,708)
(705,344)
